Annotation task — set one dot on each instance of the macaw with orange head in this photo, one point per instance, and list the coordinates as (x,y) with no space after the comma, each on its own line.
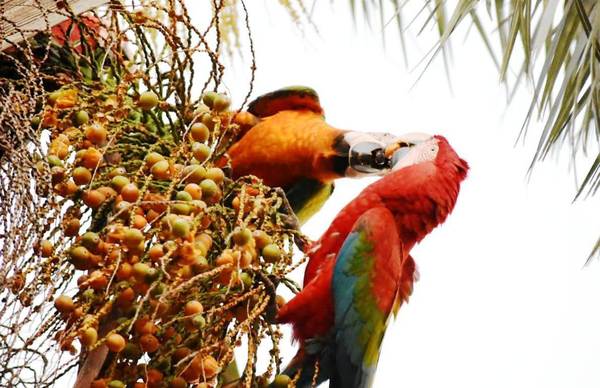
(288,144)
(360,270)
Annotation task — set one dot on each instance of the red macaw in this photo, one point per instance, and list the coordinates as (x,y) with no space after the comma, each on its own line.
(360,270)
(289,145)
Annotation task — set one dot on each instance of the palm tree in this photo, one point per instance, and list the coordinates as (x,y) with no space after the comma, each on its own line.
(560,45)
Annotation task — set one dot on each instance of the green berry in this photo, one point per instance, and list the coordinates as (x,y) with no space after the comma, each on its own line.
(181,228)
(221,103)
(209,98)
(199,132)
(133,237)
(54,161)
(35,122)
(90,240)
(246,279)
(271,253)
(199,321)
(79,253)
(119,181)
(181,208)
(241,236)
(81,118)
(201,151)
(209,188)
(281,381)
(183,196)
(148,100)
(116,384)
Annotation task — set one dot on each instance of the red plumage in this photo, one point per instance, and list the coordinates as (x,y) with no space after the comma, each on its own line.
(420,197)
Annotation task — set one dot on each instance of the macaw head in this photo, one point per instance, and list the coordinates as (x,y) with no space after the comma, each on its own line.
(418,148)
(378,153)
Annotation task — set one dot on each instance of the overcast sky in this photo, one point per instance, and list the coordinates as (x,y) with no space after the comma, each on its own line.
(503,299)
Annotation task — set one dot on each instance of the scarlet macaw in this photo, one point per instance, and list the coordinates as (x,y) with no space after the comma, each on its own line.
(292,147)
(360,270)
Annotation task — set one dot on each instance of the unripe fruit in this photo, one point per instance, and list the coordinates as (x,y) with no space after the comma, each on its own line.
(199,132)
(81,118)
(208,98)
(90,240)
(183,196)
(221,103)
(281,381)
(115,343)
(89,337)
(241,236)
(194,173)
(160,170)
(81,176)
(148,100)
(261,239)
(133,237)
(118,182)
(201,151)
(271,253)
(209,187)
(216,174)
(79,253)
(141,270)
(181,228)
(64,304)
(116,384)
(153,158)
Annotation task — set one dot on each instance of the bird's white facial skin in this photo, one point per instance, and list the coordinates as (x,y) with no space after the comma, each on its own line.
(419,153)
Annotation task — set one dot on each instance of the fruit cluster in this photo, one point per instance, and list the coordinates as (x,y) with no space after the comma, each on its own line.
(175,262)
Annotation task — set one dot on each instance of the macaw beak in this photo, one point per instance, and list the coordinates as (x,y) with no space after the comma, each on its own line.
(376,153)
(400,146)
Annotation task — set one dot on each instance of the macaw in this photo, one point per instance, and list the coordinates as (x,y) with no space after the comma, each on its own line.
(360,270)
(289,145)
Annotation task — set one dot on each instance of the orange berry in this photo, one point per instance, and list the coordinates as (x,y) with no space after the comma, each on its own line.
(46,248)
(93,198)
(130,192)
(91,158)
(161,170)
(193,307)
(115,342)
(156,252)
(64,304)
(82,176)
(139,222)
(149,343)
(194,190)
(89,337)
(96,133)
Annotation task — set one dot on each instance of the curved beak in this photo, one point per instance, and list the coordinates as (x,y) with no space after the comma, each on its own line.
(377,153)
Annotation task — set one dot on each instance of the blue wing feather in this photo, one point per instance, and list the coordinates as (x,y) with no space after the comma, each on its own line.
(359,322)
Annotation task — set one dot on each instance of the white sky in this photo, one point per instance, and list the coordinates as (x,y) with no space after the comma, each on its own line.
(503,300)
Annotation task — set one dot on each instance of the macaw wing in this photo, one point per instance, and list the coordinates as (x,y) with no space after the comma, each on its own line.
(290,98)
(366,288)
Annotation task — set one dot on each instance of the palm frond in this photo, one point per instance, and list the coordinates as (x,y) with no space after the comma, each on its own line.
(558,42)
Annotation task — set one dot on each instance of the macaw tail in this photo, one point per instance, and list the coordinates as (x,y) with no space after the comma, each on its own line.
(314,367)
